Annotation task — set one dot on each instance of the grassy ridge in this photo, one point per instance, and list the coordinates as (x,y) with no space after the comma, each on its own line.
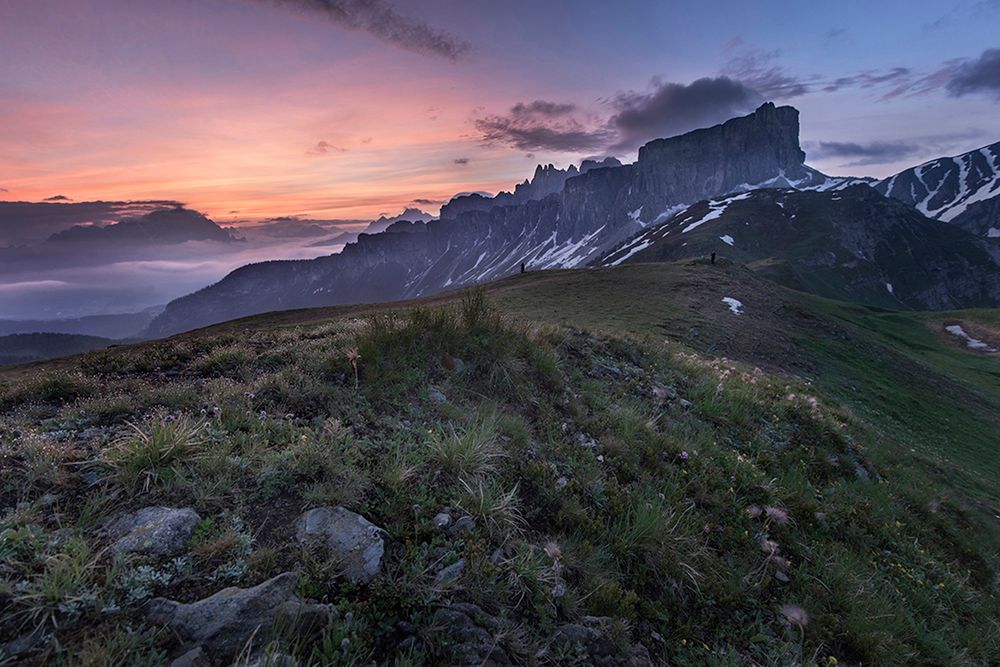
(630,466)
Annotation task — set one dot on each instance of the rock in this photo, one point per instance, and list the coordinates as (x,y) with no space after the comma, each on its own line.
(561,483)
(224,624)
(592,634)
(450,574)
(154,531)
(465,524)
(781,576)
(441,520)
(196,657)
(357,544)
(686,404)
(437,396)
(469,634)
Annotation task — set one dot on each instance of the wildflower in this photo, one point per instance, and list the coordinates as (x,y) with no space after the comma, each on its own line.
(777,515)
(684,456)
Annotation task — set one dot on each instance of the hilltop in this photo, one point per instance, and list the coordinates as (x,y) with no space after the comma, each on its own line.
(673,463)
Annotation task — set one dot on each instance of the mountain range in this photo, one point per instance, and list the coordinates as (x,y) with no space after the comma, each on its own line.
(928,262)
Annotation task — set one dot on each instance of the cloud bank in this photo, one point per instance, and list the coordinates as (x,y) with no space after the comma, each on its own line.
(981,75)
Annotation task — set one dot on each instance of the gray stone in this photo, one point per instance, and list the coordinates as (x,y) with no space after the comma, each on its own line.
(235,619)
(450,574)
(441,520)
(686,404)
(437,396)
(356,543)
(154,531)
(465,524)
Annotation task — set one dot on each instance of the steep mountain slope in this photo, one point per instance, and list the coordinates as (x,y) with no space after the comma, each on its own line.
(852,244)
(590,214)
(962,190)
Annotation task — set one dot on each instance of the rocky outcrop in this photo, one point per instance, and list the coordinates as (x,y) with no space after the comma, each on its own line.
(741,154)
(356,544)
(155,531)
(239,619)
(595,637)
(547,180)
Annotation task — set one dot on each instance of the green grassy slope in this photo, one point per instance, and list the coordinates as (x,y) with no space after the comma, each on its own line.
(805,483)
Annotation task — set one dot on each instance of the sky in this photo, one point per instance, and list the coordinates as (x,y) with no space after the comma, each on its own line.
(347,109)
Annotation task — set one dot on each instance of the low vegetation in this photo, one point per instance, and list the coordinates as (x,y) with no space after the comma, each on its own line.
(709,511)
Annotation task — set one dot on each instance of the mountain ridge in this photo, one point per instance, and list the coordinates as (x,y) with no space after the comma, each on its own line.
(593,211)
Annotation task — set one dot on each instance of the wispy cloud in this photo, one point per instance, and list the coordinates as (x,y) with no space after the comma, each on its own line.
(324,148)
(381,20)
(759,70)
(860,154)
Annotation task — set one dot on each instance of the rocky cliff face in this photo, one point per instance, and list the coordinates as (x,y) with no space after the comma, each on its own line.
(741,154)
(547,180)
(591,213)
(853,245)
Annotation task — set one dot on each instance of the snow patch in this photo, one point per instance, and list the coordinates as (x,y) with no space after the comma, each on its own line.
(715,210)
(970,342)
(735,305)
(994,233)
(727,239)
(888,288)
(638,248)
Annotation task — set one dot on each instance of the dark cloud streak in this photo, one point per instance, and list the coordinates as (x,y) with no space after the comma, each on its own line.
(379,19)
(981,75)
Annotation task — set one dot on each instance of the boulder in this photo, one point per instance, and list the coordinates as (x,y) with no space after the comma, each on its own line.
(225,623)
(350,538)
(154,531)
(593,634)
(470,635)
